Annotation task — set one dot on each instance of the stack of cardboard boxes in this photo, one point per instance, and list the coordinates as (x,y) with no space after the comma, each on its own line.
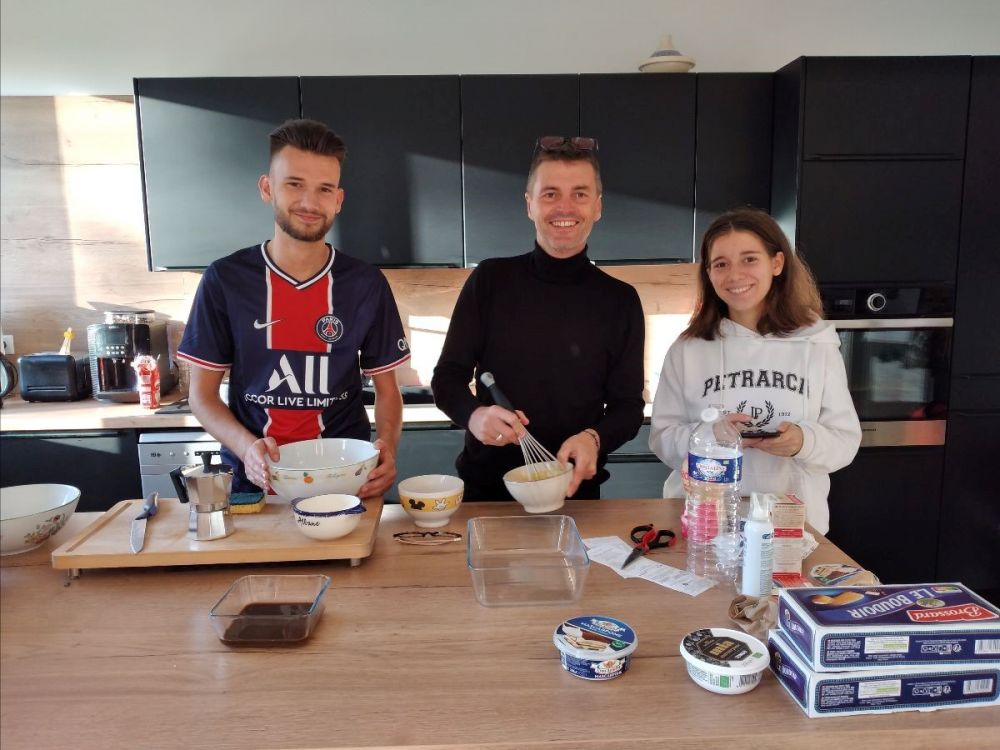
(864,649)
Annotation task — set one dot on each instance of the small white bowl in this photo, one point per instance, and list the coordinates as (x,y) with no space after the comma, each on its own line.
(431,499)
(539,495)
(327,517)
(724,661)
(31,513)
(323,466)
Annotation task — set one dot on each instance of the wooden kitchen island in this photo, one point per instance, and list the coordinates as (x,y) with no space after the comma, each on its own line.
(404,657)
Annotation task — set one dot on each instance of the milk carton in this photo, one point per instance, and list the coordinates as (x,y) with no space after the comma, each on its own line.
(883,689)
(788,514)
(873,627)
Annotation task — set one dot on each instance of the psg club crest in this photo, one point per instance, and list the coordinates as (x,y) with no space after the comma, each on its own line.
(329,328)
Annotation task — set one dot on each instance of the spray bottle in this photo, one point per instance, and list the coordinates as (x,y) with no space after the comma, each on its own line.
(758,536)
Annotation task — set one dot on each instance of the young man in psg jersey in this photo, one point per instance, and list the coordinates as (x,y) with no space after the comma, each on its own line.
(296,323)
(563,339)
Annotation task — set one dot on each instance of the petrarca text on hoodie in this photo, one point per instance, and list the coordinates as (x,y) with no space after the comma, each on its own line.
(797,378)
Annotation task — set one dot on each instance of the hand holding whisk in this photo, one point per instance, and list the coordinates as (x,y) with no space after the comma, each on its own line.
(537,458)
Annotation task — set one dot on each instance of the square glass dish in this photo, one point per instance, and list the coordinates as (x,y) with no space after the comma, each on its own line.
(269,609)
(520,560)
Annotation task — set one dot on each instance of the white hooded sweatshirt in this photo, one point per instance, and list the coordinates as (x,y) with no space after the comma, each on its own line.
(796,378)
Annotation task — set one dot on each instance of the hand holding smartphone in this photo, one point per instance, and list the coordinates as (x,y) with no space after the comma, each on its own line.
(759,434)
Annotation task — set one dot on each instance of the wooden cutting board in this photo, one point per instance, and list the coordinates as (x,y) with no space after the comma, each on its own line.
(268,536)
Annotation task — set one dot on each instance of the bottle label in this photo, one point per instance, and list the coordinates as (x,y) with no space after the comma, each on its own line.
(715,470)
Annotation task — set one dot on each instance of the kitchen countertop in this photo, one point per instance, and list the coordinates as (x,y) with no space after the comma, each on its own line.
(90,414)
(403,657)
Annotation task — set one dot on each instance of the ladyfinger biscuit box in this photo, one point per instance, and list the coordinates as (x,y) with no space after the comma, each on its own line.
(870,627)
(881,690)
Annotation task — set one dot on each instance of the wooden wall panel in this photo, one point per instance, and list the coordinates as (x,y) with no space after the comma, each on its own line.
(72,242)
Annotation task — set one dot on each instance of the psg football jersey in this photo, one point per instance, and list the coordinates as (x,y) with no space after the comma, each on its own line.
(295,350)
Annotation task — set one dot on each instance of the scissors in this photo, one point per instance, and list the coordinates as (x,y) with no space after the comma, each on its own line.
(646,538)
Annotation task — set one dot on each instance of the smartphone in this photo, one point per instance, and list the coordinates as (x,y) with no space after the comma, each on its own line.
(759,434)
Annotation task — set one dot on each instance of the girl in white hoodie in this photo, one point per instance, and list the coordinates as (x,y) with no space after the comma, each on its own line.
(758,350)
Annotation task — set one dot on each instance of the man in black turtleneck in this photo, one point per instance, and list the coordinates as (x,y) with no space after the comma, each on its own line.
(563,339)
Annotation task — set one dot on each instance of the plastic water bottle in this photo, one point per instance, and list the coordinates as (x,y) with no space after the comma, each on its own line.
(714,467)
(758,552)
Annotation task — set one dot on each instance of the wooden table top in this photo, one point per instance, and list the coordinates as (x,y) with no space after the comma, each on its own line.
(404,657)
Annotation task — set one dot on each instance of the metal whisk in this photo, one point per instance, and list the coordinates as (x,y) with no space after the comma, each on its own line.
(539,462)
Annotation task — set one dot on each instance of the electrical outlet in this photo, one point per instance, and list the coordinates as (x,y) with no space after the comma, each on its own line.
(8,343)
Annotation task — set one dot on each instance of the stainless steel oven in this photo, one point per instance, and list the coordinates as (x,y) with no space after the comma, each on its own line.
(896,344)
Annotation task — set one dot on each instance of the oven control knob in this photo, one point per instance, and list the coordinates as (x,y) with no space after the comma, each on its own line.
(876,302)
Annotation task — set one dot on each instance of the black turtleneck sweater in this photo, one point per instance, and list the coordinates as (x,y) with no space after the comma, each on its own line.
(564,341)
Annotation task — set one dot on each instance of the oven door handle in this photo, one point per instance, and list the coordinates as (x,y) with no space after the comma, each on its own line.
(882,323)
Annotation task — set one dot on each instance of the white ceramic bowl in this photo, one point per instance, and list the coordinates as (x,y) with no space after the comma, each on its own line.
(724,661)
(539,495)
(31,513)
(323,466)
(327,517)
(431,499)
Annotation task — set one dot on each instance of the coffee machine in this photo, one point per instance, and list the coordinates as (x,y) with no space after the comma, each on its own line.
(113,345)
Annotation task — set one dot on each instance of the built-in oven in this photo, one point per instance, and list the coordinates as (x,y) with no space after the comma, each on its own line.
(896,345)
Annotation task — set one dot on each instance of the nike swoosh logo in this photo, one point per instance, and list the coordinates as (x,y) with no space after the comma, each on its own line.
(258,325)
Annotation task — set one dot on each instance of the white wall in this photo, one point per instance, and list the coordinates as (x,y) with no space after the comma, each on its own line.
(50,47)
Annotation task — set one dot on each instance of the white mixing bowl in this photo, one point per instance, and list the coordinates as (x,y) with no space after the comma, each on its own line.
(31,513)
(322,467)
(327,517)
(543,494)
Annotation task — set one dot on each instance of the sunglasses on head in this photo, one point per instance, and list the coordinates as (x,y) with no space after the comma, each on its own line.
(563,143)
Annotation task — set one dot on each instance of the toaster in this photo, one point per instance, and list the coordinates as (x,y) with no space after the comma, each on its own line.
(54,377)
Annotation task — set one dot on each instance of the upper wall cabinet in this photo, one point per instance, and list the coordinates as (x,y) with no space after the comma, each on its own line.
(203,145)
(645,128)
(893,106)
(502,117)
(733,157)
(977,342)
(867,165)
(402,178)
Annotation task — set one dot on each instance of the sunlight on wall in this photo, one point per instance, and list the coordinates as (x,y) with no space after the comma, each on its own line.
(661,331)
(426,339)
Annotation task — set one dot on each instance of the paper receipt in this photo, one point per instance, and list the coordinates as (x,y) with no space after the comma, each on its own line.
(612,551)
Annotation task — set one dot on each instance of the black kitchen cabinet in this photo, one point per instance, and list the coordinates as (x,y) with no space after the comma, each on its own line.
(885,509)
(502,117)
(733,158)
(898,106)
(203,146)
(635,470)
(103,464)
(880,221)
(645,125)
(969,549)
(403,175)
(977,337)
(867,165)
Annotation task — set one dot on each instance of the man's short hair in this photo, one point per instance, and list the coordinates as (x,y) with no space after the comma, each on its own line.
(308,135)
(566,152)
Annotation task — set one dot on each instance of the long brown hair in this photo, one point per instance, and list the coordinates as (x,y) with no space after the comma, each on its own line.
(792,301)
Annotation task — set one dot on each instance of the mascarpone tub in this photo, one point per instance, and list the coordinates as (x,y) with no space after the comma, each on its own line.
(724,661)
(595,647)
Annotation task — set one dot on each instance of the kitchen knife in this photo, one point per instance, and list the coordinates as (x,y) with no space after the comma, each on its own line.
(138,533)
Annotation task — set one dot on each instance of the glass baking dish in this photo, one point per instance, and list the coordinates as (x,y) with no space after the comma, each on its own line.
(521,560)
(270,608)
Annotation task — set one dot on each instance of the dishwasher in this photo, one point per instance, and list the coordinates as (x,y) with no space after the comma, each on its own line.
(160,452)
